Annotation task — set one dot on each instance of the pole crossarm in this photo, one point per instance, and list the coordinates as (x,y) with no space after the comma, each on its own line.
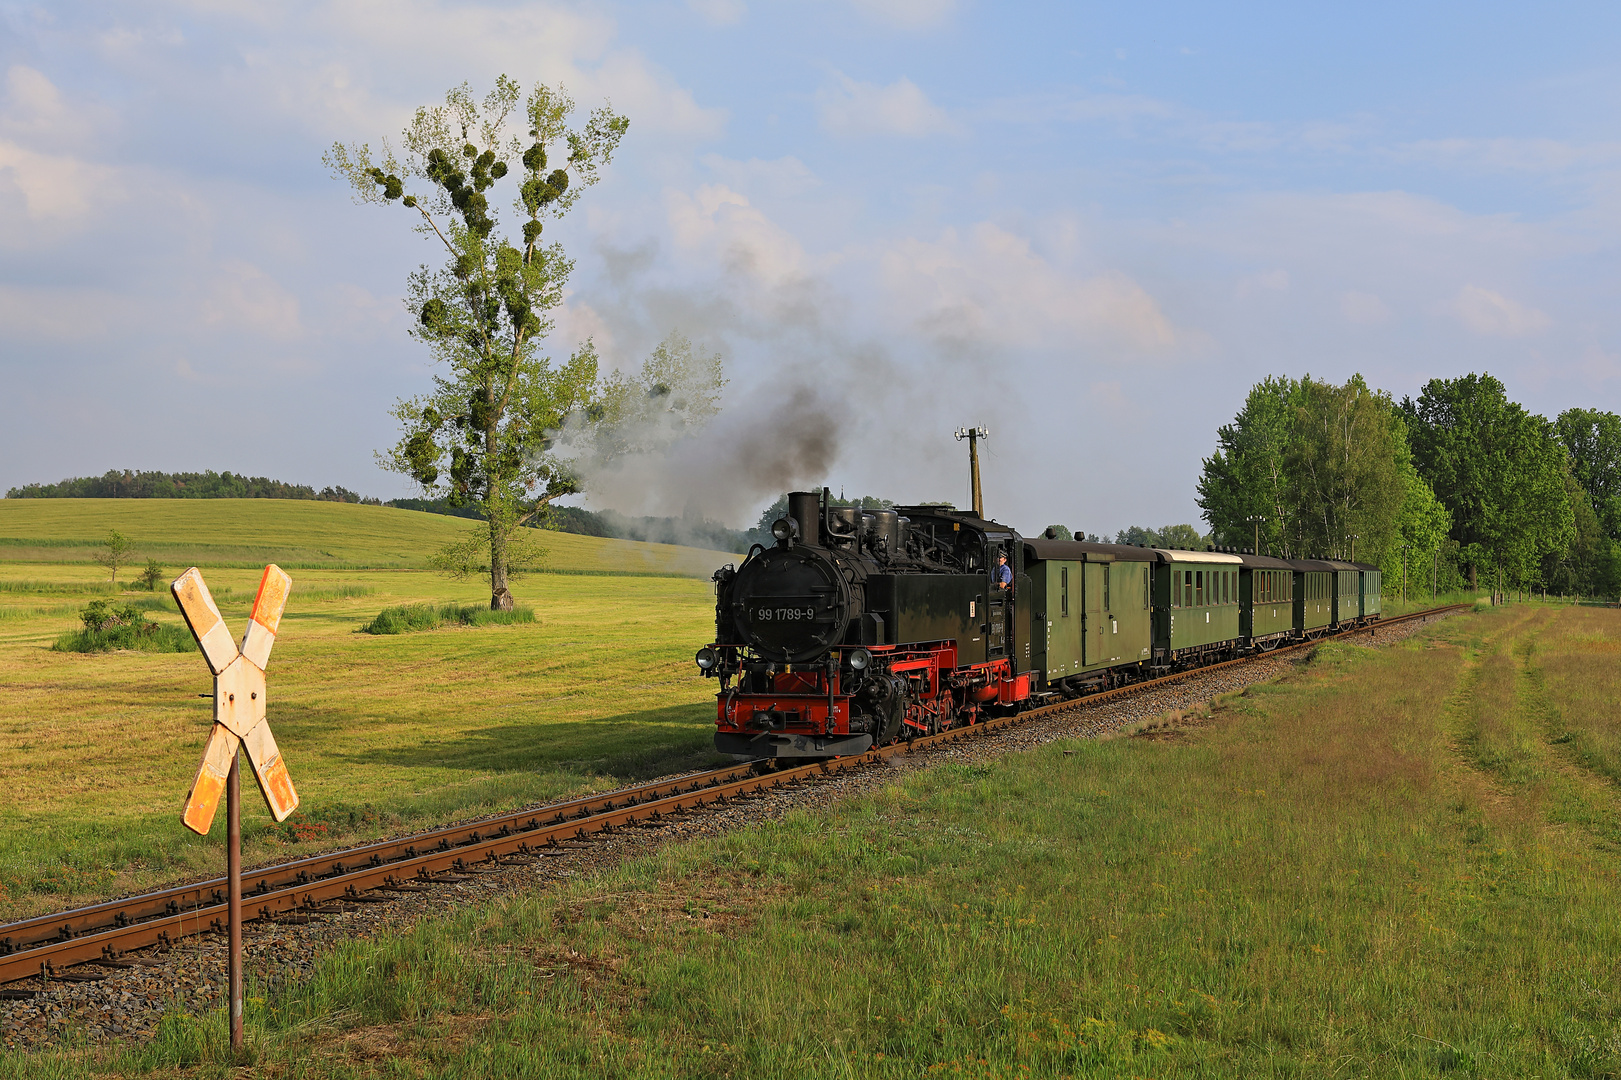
(239,696)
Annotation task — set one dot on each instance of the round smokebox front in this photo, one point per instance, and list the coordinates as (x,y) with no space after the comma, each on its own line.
(792,605)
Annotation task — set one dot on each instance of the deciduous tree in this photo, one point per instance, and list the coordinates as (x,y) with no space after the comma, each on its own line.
(1244,480)
(1499,471)
(486,434)
(115,551)
(1593,440)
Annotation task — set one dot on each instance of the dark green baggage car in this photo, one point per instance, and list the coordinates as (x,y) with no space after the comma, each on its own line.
(1090,620)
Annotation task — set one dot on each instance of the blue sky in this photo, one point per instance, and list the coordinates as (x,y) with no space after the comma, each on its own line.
(1089,227)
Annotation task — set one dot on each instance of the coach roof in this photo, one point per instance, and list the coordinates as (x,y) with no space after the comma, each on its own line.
(1085,551)
(1180,555)
(1264,562)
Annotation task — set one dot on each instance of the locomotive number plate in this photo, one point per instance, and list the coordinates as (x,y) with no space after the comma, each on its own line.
(782,614)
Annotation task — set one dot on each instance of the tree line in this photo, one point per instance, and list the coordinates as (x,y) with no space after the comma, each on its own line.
(1461,486)
(125,484)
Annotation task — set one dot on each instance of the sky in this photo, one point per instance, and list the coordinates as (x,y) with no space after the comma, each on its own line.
(1089,228)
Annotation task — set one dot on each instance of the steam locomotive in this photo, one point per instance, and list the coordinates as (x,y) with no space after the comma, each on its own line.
(857,629)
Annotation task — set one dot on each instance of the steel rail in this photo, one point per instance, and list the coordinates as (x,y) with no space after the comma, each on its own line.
(102,933)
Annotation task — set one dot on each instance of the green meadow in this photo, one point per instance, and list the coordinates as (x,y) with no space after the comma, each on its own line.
(1395,863)
(97,750)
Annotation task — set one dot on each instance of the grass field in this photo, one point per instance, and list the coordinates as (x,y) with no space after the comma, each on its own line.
(1399,863)
(97,751)
(293,533)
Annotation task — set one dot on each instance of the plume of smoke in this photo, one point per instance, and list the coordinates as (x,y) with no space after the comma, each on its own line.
(782,435)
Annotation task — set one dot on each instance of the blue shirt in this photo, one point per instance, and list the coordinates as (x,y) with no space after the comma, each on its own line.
(1004,574)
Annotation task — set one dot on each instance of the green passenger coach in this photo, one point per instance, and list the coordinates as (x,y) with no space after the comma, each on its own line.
(1314,597)
(1196,603)
(1371,605)
(1266,612)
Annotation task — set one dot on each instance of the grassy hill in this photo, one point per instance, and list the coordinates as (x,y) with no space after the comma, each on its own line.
(295,533)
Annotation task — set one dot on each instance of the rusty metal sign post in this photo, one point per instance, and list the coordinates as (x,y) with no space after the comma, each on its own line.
(239,724)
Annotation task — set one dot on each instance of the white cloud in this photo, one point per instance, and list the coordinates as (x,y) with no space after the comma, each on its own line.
(720,12)
(1492,314)
(992,287)
(357,70)
(70,314)
(657,106)
(901,108)
(907,14)
(1268,281)
(56,187)
(243,298)
(1363,308)
(1509,155)
(782,177)
(33,110)
(721,223)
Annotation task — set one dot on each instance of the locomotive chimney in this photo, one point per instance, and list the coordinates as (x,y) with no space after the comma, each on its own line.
(805,507)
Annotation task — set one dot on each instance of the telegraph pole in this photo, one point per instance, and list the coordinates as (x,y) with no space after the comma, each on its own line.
(973,435)
(1256,521)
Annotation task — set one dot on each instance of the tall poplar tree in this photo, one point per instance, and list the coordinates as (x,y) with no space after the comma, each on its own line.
(485,435)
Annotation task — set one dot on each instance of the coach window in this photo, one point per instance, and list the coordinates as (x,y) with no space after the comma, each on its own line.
(1226,586)
(1187,588)
(1145,588)
(1108,578)
(1063,590)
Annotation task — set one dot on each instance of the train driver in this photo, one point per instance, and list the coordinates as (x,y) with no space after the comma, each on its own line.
(1004,572)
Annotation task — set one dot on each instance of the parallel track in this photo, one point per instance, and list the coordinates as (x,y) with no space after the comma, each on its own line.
(102,933)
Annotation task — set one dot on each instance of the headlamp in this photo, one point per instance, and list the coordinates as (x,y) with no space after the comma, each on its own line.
(860,659)
(784,528)
(706,659)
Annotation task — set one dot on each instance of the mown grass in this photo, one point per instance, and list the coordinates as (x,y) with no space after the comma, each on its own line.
(1337,875)
(414,618)
(381,733)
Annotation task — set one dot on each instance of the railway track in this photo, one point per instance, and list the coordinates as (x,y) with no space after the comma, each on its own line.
(50,946)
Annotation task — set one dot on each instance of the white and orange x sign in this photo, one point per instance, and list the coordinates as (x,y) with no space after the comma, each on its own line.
(239,695)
